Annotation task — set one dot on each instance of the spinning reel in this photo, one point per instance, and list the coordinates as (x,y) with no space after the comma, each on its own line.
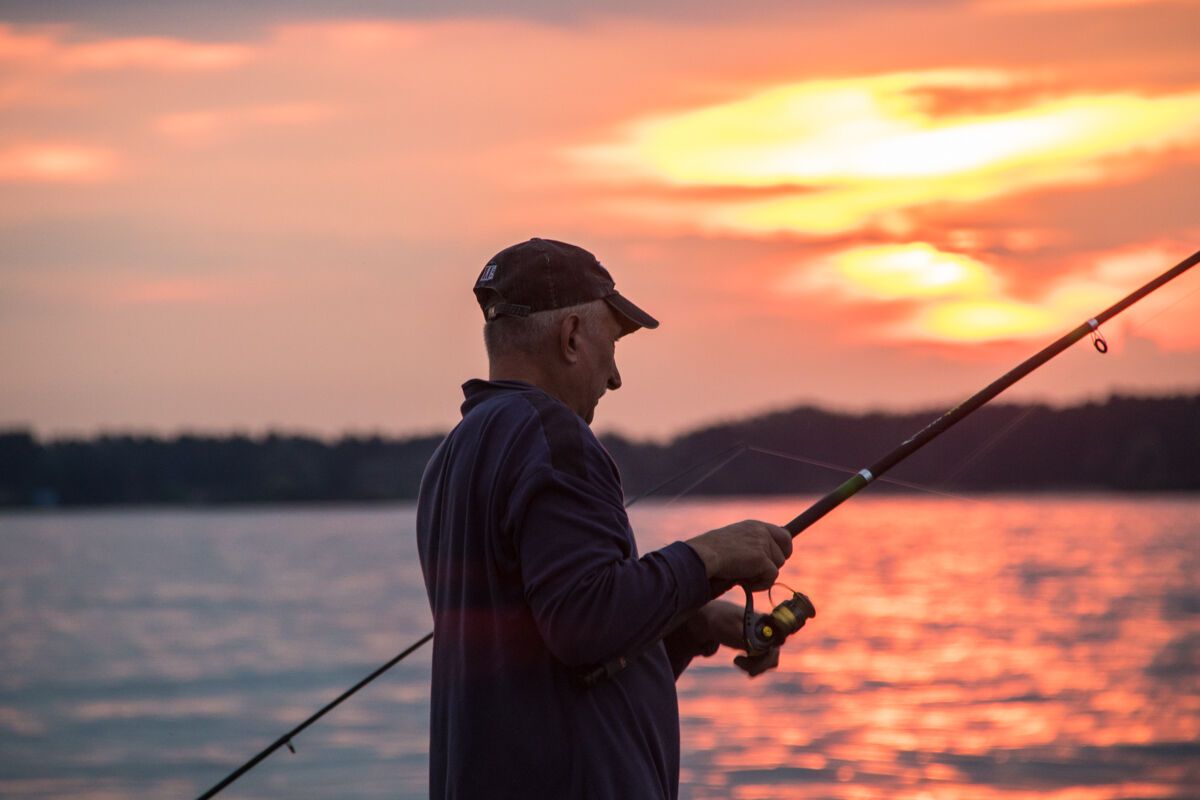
(765,633)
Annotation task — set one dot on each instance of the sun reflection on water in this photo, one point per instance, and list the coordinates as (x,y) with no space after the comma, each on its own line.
(1005,652)
(1000,650)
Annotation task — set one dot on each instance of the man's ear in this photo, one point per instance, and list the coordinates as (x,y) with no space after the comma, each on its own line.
(568,337)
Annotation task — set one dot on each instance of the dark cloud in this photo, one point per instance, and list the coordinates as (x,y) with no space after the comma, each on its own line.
(230,19)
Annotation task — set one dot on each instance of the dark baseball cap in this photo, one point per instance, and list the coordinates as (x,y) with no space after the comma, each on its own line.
(542,274)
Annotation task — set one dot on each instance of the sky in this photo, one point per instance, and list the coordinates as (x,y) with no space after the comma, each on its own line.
(250,217)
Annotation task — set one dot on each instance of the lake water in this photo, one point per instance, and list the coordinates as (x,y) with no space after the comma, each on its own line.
(997,648)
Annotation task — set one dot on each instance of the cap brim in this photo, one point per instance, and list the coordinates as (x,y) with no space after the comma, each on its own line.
(631,314)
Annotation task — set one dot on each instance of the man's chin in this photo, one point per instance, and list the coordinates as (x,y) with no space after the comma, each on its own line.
(591,412)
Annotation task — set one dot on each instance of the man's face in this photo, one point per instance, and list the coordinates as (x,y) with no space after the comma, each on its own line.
(598,363)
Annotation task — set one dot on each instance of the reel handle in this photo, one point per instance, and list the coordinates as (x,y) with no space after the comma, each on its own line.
(758,664)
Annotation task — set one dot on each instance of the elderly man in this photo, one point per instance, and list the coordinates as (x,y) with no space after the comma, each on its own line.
(532,570)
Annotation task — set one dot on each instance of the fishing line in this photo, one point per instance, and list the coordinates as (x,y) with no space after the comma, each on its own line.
(1138,325)
(725,457)
(736,450)
(850,471)
(989,443)
(708,474)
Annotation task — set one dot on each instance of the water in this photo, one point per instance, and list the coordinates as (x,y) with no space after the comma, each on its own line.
(1006,648)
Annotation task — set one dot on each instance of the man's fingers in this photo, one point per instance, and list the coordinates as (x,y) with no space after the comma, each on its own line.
(765,579)
(782,538)
(738,552)
(775,554)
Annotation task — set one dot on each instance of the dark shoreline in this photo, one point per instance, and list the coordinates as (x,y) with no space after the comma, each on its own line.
(1124,444)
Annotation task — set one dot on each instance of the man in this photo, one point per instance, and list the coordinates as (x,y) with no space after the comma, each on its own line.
(531,567)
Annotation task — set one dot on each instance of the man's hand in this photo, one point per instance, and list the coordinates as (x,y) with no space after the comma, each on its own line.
(721,621)
(745,552)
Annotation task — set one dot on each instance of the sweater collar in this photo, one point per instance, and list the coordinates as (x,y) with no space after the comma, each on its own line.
(477,391)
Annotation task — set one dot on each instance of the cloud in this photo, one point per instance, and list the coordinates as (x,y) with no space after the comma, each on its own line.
(211,126)
(895,272)
(1039,6)
(47,67)
(938,296)
(48,49)
(56,163)
(877,151)
(151,53)
(915,293)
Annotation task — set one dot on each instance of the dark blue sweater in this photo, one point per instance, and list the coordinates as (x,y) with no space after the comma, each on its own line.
(532,574)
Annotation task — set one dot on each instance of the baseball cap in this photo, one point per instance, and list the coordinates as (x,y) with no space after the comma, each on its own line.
(542,274)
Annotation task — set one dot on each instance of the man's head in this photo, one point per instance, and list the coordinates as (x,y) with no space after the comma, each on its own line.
(553,317)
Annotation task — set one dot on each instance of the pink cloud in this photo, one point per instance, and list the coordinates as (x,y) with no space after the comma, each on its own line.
(48,47)
(152,53)
(56,163)
(212,126)
(1035,6)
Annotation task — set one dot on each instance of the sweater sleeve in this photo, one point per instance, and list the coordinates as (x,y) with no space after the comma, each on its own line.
(591,597)
(682,647)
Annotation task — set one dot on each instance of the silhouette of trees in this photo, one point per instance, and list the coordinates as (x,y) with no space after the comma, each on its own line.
(1123,444)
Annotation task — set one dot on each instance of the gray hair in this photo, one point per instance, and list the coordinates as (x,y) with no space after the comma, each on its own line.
(506,335)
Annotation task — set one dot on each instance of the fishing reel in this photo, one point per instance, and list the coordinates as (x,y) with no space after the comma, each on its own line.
(765,633)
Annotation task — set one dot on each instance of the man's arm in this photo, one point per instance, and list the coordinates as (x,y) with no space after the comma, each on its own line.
(590,598)
(593,602)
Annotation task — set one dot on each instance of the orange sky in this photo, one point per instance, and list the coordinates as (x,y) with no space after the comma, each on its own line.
(274,220)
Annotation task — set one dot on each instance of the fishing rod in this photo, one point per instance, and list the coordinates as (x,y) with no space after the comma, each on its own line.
(286,739)
(766,632)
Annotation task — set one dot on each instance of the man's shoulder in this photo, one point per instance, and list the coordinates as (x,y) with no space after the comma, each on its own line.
(569,440)
(542,426)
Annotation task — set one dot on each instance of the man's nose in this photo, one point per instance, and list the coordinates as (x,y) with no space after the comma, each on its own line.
(614,380)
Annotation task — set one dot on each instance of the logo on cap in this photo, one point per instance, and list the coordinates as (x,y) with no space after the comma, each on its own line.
(488,273)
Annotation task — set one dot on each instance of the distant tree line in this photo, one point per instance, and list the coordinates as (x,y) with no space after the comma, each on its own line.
(1123,444)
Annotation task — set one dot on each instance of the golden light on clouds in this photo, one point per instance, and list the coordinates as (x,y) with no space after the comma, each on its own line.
(863,150)
(980,320)
(953,298)
(904,271)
